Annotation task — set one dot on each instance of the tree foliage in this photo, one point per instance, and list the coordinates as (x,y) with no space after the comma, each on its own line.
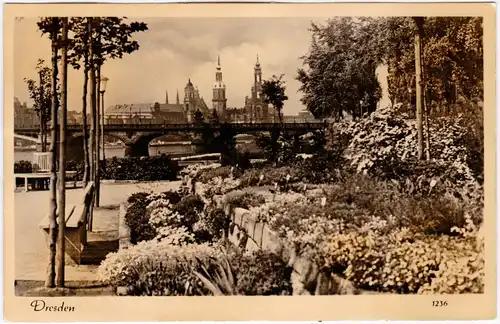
(339,69)
(452,59)
(40,91)
(273,91)
(112,38)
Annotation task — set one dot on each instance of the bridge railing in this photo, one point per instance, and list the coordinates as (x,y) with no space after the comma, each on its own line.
(149,124)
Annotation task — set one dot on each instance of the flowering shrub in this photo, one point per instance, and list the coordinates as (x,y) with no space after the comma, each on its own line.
(194,169)
(205,175)
(140,168)
(179,235)
(382,239)
(407,262)
(219,186)
(212,225)
(188,209)
(261,273)
(247,200)
(158,268)
(385,145)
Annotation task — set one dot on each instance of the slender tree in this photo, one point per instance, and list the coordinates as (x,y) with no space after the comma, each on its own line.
(273,91)
(418,81)
(115,41)
(79,51)
(93,125)
(110,38)
(62,155)
(41,95)
(52,25)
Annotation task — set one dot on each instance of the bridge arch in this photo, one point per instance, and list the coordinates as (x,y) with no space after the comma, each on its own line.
(121,137)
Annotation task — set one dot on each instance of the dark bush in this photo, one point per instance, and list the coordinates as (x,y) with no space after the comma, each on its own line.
(261,273)
(189,207)
(23,167)
(247,200)
(207,174)
(172,196)
(137,219)
(78,166)
(141,168)
(212,225)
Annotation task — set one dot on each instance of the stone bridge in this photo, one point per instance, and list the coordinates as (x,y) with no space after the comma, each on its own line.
(137,137)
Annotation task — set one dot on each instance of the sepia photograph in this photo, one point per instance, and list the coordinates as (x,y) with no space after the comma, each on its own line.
(210,153)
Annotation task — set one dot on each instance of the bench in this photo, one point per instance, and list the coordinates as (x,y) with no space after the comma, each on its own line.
(76,221)
(42,179)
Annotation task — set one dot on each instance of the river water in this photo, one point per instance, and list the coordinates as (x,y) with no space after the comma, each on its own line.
(172,149)
(183,149)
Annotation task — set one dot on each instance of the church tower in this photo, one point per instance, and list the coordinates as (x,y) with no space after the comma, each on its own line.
(189,101)
(219,93)
(257,74)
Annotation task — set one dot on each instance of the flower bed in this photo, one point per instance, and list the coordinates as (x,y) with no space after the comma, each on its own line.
(178,248)
(406,249)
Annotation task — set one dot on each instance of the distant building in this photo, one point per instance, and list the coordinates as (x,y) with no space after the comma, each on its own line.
(24,116)
(219,100)
(256,110)
(170,113)
(306,116)
(194,102)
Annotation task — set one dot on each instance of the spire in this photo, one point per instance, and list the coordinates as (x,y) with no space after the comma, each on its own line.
(177,98)
(257,60)
(166,97)
(218,62)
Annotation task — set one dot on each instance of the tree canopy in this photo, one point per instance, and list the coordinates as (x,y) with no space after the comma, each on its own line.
(338,72)
(273,91)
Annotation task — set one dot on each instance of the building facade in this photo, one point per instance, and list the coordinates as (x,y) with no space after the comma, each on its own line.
(193,102)
(170,113)
(256,110)
(24,116)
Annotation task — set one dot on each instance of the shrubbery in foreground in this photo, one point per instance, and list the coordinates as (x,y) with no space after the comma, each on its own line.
(130,168)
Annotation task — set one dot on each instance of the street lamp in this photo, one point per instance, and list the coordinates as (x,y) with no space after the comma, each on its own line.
(410,90)
(104,82)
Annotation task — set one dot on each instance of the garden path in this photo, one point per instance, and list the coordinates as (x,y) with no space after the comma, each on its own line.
(30,248)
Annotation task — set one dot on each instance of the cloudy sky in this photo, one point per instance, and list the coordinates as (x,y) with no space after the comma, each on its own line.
(176,49)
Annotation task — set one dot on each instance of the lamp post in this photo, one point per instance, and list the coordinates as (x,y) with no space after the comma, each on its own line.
(104,82)
(409,103)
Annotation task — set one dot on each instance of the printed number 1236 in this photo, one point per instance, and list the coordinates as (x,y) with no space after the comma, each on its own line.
(439,303)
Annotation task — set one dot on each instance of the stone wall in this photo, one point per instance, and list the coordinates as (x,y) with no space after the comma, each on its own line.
(307,279)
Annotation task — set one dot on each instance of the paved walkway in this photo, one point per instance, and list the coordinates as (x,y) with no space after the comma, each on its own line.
(30,207)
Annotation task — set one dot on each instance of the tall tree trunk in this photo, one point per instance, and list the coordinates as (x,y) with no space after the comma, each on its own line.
(51,268)
(98,138)
(62,156)
(86,174)
(92,115)
(425,97)
(418,81)
(42,113)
